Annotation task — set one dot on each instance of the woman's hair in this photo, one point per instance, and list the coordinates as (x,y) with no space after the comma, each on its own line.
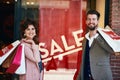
(24,25)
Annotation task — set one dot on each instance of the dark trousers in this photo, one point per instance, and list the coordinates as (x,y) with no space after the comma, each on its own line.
(91,78)
(5,77)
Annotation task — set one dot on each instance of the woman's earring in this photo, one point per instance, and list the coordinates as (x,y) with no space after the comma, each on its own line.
(24,35)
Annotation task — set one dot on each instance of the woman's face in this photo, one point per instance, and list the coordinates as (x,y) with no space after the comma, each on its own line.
(30,32)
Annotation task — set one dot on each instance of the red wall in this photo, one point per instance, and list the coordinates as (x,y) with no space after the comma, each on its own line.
(56,22)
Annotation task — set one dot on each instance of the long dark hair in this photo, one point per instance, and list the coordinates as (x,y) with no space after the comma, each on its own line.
(24,25)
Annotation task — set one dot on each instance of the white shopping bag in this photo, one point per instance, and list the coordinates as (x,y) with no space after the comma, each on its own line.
(8,52)
(111,38)
(22,69)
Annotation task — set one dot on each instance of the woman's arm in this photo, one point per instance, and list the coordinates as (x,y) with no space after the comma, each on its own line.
(32,51)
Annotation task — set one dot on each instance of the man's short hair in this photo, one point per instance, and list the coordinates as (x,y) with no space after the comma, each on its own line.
(94,12)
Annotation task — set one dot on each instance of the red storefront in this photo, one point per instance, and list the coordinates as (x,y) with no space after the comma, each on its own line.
(61,25)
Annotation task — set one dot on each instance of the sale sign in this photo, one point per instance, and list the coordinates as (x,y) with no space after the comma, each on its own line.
(68,49)
(61,25)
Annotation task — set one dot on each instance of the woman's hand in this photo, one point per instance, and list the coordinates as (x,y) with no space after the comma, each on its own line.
(29,41)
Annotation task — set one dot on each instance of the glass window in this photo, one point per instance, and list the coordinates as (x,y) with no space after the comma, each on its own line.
(60,32)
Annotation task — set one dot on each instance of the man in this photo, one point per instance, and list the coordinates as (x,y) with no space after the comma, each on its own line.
(96,52)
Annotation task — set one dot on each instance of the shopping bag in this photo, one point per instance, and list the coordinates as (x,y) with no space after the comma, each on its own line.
(111,33)
(22,68)
(16,60)
(9,52)
(111,38)
(51,65)
(8,48)
(6,63)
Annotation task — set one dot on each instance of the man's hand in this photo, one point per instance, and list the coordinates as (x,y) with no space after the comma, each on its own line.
(117,53)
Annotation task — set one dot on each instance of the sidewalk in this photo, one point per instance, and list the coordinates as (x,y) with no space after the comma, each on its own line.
(60,74)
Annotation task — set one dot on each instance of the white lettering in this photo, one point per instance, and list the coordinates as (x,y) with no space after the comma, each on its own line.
(66,45)
(55,47)
(42,49)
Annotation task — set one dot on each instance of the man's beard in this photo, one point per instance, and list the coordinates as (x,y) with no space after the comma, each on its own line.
(92,28)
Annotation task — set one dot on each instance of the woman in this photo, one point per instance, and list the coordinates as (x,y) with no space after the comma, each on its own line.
(29,34)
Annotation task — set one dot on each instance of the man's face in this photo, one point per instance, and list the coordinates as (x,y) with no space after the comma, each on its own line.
(92,21)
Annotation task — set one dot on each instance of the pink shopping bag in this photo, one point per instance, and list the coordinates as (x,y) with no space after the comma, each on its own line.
(16,61)
(22,68)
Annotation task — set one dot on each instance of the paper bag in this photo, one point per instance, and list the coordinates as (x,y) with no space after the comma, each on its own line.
(22,69)
(6,63)
(16,61)
(3,58)
(8,48)
(111,38)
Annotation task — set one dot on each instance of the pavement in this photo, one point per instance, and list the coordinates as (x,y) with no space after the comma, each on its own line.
(59,74)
